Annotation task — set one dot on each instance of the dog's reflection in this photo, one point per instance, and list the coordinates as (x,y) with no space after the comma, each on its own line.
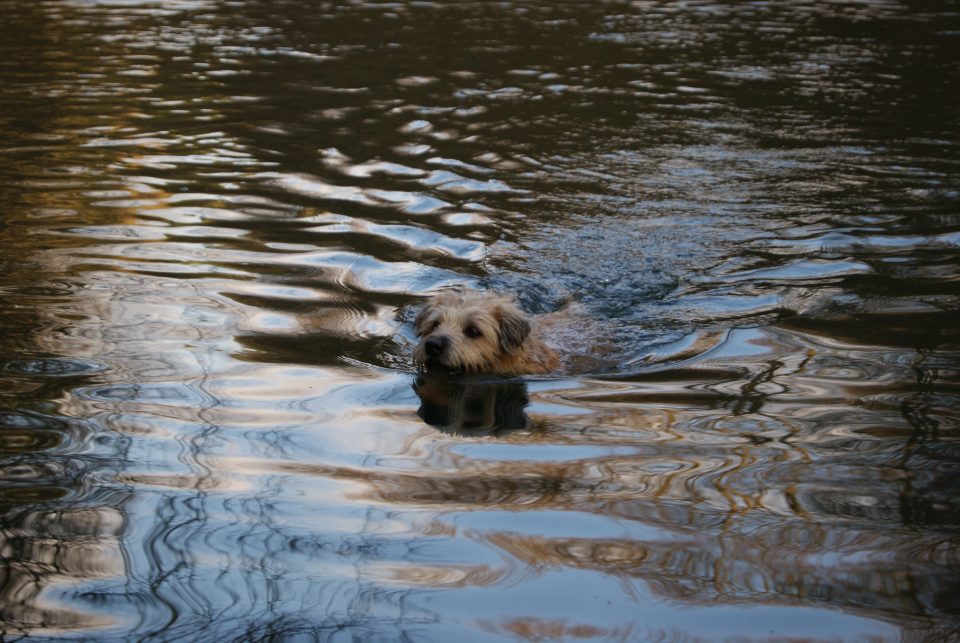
(472,406)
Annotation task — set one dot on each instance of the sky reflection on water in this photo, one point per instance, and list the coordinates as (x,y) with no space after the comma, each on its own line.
(218,219)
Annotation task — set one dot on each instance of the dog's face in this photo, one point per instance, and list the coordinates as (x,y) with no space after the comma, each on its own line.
(469,331)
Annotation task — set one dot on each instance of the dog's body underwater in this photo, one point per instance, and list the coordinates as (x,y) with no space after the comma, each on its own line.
(478,332)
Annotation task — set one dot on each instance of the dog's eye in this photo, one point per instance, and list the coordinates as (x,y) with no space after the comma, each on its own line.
(472,331)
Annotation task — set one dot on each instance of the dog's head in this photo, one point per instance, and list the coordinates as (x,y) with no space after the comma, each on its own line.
(469,331)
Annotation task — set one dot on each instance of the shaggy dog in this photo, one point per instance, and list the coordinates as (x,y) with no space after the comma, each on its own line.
(478,332)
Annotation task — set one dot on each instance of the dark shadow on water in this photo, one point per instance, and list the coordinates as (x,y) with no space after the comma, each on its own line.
(472,406)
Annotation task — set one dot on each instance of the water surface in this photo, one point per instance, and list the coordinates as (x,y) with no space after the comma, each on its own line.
(218,219)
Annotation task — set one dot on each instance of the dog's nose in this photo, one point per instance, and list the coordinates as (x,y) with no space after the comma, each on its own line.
(435,346)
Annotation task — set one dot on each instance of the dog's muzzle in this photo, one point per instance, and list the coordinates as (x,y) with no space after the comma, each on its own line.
(435,350)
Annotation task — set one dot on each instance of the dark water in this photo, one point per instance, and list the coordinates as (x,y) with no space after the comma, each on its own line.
(218,217)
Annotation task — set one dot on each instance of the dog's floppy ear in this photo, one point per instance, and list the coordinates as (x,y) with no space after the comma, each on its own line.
(514,327)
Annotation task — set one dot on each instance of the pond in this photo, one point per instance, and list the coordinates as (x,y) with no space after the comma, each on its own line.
(219,219)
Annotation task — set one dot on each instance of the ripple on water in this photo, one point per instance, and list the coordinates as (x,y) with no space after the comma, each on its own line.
(369,274)
(29,421)
(53,367)
(815,269)
(165,393)
(26,441)
(315,188)
(419,239)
